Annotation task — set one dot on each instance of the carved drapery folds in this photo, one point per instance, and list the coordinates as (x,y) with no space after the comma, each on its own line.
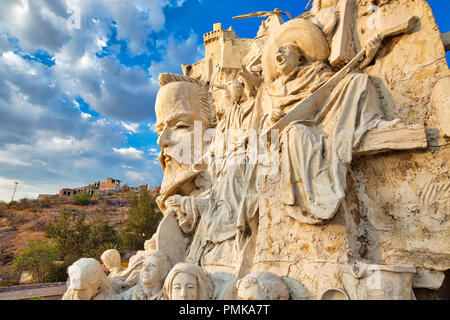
(296,161)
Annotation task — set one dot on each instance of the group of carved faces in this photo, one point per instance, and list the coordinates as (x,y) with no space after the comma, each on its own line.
(184,281)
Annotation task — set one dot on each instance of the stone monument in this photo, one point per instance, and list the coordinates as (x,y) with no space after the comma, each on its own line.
(310,162)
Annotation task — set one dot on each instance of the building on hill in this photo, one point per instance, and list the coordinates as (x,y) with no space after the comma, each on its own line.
(45,196)
(87,189)
(104,187)
(94,185)
(124,188)
(110,184)
(67,192)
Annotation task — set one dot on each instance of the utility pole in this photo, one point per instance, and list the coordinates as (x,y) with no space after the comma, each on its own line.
(14,192)
(148,184)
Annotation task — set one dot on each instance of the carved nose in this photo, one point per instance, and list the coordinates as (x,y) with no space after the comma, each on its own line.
(164,139)
(183,294)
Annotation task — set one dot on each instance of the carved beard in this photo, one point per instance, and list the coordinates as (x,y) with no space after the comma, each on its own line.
(175,176)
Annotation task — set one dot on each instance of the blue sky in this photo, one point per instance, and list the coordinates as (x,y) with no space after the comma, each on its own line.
(77,105)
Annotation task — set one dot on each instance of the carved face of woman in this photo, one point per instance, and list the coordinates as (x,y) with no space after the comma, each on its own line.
(86,293)
(253,292)
(184,287)
(150,273)
(287,59)
(83,287)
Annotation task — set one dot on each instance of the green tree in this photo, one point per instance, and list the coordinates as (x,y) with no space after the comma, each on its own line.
(71,234)
(37,257)
(101,234)
(141,223)
(81,198)
(93,186)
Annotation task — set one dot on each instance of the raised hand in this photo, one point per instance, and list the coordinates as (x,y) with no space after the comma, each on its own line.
(277,114)
(174,201)
(372,46)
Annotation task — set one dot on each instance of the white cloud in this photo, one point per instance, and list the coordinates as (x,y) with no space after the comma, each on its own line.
(130,152)
(58,145)
(47,142)
(13,159)
(86,115)
(153,152)
(130,126)
(176,52)
(151,126)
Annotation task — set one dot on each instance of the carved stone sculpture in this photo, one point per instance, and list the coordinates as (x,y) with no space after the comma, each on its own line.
(262,285)
(112,262)
(333,109)
(188,282)
(88,281)
(317,150)
(152,275)
(130,276)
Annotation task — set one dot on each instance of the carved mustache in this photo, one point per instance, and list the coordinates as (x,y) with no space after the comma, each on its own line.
(164,159)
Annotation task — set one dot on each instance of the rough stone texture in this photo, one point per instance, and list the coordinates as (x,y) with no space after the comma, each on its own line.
(395,210)
(349,198)
(441,101)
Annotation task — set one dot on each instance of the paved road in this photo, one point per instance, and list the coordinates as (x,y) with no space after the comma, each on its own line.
(47,291)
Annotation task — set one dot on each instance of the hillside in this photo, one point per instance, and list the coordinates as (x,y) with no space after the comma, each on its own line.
(27,219)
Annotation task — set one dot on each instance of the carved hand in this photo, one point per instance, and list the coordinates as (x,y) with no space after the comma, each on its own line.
(277,114)
(174,201)
(372,47)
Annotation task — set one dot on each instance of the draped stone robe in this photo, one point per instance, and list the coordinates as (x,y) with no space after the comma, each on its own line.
(314,158)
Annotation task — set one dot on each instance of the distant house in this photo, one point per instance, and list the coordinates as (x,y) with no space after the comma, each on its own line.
(124,187)
(94,185)
(85,189)
(67,192)
(110,184)
(45,196)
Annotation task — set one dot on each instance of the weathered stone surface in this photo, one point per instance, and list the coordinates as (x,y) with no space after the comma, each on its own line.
(428,279)
(441,101)
(315,154)
(446,40)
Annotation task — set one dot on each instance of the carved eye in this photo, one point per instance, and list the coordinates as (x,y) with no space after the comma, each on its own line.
(182,125)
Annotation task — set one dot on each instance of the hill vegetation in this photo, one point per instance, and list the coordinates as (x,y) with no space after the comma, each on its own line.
(64,229)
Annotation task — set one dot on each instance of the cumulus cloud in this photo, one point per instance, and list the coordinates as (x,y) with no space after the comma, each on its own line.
(130,152)
(132,127)
(48,138)
(175,52)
